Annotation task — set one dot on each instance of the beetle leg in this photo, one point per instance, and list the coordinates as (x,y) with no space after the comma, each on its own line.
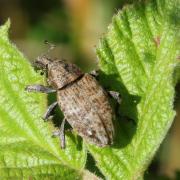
(39,88)
(49,111)
(61,134)
(115,95)
(94,73)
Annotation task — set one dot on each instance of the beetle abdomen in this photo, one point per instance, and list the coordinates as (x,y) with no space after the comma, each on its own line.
(86,107)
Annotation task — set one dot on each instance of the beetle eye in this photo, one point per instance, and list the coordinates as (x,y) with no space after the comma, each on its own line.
(66,66)
(69,68)
(39,65)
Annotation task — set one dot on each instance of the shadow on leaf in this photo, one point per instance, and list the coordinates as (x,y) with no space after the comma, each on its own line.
(126,112)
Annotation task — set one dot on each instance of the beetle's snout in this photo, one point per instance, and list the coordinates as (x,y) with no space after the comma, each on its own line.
(42,62)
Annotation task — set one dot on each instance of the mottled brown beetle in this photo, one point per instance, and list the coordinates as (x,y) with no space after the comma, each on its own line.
(83,101)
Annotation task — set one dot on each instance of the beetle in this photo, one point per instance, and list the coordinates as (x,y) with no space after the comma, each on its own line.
(84,103)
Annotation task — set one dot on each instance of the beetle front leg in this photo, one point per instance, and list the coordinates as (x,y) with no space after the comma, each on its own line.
(49,111)
(115,95)
(61,134)
(39,88)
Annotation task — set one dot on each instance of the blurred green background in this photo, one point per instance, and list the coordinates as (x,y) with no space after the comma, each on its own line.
(75,27)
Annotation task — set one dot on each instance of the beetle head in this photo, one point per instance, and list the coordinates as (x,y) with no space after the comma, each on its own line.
(42,62)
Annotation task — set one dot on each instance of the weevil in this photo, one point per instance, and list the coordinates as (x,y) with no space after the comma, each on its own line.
(82,100)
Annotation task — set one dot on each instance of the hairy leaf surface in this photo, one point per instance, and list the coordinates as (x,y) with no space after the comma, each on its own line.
(138,57)
(27,149)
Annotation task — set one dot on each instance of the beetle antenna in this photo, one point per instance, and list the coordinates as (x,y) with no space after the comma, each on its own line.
(51,47)
(42,60)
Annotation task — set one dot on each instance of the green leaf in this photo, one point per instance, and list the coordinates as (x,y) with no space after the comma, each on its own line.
(27,149)
(138,57)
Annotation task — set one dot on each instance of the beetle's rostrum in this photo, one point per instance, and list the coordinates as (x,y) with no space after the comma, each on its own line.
(83,101)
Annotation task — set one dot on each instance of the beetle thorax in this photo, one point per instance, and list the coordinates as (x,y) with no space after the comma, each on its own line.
(61,73)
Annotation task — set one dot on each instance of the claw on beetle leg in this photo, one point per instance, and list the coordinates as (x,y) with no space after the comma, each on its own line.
(61,134)
(115,95)
(49,111)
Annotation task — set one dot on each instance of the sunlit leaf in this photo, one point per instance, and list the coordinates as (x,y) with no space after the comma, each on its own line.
(138,57)
(27,149)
